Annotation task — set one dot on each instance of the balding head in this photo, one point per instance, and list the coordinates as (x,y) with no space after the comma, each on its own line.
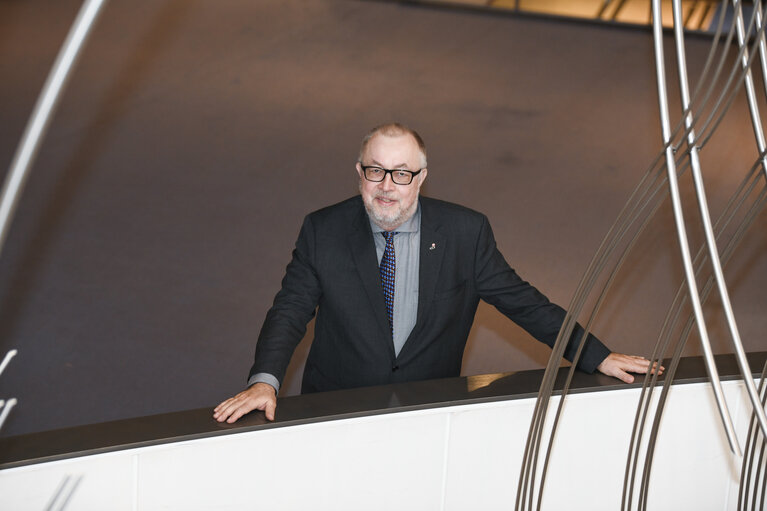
(393,129)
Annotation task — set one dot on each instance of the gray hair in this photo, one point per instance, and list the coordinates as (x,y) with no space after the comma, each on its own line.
(394,129)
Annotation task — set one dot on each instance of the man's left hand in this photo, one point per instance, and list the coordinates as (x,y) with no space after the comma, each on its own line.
(619,366)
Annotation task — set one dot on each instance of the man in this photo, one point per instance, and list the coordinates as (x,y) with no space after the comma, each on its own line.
(395,281)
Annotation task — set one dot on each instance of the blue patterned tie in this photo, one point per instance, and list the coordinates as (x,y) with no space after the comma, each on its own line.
(387,269)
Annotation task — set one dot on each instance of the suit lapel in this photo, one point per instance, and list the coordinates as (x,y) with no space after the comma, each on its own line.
(365,259)
(432,249)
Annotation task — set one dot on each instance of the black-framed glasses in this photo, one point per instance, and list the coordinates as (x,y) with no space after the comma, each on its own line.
(398,176)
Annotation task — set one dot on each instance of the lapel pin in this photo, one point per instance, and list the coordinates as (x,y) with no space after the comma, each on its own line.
(433,246)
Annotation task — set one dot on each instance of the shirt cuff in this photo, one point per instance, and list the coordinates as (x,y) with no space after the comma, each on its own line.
(265,378)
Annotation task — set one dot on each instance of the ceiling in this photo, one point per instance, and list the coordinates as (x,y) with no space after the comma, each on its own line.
(698,15)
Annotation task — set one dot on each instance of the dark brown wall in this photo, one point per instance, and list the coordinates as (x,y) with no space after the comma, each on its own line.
(195,135)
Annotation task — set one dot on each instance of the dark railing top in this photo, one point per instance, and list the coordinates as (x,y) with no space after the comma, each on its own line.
(193,424)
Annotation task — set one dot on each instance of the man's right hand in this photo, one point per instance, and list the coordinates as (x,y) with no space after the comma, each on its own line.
(260,396)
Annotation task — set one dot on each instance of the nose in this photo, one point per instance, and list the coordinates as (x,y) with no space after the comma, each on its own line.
(387,184)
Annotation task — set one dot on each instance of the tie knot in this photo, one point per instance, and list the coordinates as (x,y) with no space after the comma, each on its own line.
(389,235)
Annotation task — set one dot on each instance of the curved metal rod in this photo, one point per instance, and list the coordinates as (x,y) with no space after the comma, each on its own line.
(758,479)
(63,495)
(601,298)
(7,360)
(659,349)
(703,104)
(629,216)
(756,121)
(595,311)
(41,115)
(706,219)
(731,208)
(731,86)
(587,327)
(709,90)
(610,241)
(656,355)
(527,471)
(617,231)
(682,234)
(671,371)
(704,74)
(744,486)
(527,457)
(7,410)
(711,54)
(672,317)
(753,437)
(726,254)
(762,45)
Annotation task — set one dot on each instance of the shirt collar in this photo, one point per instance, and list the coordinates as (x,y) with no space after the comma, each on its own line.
(412,224)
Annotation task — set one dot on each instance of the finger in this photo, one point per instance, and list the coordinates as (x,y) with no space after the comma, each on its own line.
(642,368)
(229,402)
(240,411)
(236,415)
(629,362)
(645,367)
(228,410)
(642,365)
(624,376)
(271,407)
(218,411)
(222,405)
(615,369)
(223,414)
(656,368)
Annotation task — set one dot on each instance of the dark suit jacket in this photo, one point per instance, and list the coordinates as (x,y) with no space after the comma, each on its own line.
(334,271)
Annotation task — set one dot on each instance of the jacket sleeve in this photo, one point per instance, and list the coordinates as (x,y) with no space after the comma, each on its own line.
(499,285)
(293,307)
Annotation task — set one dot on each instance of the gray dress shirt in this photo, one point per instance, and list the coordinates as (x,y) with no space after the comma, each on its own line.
(407,249)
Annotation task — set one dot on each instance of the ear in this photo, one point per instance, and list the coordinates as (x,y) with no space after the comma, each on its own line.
(422,175)
(359,169)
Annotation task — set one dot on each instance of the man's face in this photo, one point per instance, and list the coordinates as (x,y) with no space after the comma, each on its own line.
(387,203)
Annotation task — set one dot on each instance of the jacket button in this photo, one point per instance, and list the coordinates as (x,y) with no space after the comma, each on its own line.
(394,368)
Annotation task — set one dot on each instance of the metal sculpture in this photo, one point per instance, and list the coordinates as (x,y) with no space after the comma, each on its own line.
(702,111)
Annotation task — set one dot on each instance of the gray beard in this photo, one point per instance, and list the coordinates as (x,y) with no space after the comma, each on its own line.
(389,224)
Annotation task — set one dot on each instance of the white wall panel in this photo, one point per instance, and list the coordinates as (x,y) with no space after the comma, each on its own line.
(486,447)
(694,467)
(107,483)
(384,462)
